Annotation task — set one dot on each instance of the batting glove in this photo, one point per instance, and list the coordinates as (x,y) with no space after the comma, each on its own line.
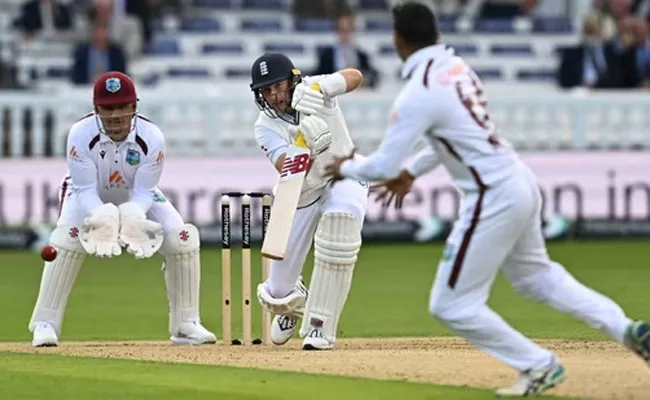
(316,133)
(306,100)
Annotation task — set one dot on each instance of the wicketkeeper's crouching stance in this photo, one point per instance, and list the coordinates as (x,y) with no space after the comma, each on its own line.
(115,158)
(330,216)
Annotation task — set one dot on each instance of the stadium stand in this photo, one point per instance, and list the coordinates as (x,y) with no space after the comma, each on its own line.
(194,74)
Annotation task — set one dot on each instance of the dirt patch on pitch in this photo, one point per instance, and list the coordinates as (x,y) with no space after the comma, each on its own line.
(598,370)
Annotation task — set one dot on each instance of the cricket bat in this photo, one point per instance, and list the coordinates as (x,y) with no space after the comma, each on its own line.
(287,194)
(285,203)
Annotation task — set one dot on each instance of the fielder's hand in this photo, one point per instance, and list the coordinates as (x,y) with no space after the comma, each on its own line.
(307,100)
(99,232)
(396,189)
(138,235)
(333,169)
(316,133)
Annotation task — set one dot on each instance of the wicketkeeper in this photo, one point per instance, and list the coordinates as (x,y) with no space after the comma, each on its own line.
(109,200)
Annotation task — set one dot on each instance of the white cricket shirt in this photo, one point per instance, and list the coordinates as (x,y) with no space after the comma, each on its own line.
(274,136)
(101,171)
(443,102)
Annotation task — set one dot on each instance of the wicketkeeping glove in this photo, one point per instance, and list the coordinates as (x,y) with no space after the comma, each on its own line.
(99,232)
(140,236)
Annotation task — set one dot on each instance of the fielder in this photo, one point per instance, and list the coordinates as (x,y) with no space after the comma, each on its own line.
(331,216)
(499,222)
(115,158)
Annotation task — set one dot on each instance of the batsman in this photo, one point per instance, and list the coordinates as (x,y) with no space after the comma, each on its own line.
(109,200)
(330,216)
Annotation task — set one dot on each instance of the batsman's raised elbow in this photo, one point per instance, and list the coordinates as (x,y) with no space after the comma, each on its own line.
(353,78)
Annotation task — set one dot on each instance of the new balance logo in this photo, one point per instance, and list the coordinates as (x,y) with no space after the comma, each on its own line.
(286,323)
(295,165)
(115,177)
(264,70)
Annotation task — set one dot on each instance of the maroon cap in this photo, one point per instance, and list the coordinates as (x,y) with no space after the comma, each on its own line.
(114,88)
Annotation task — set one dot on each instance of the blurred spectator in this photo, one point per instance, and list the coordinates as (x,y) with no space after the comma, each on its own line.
(148,10)
(44,16)
(612,12)
(8,70)
(622,62)
(586,64)
(642,39)
(622,51)
(346,54)
(125,29)
(642,9)
(320,8)
(96,57)
(8,76)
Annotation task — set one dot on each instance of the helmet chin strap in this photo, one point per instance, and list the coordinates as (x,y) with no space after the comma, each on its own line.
(102,128)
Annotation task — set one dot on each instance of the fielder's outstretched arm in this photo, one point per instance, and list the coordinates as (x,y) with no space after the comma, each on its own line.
(410,121)
(424,161)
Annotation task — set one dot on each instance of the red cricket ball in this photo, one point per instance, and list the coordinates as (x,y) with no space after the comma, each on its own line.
(48,253)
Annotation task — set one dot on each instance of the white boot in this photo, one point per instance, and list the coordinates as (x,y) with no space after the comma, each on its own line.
(193,333)
(45,335)
(536,381)
(315,340)
(282,328)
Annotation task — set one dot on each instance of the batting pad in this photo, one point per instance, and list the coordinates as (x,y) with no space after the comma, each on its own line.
(182,268)
(58,278)
(292,304)
(337,243)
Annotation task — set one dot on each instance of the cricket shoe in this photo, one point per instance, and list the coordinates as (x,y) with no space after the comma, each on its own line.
(637,338)
(533,382)
(282,328)
(314,340)
(193,333)
(45,336)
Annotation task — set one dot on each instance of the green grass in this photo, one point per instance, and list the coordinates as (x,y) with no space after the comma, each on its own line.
(29,376)
(125,299)
(122,299)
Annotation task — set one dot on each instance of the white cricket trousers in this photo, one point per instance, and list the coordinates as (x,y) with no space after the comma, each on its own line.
(347,196)
(501,227)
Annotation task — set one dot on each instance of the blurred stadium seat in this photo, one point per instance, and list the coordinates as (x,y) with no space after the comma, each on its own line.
(207,53)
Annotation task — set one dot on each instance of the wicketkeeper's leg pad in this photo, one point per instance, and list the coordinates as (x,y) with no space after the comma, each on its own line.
(182,268)
(337,244)
(58,277)
(292,304)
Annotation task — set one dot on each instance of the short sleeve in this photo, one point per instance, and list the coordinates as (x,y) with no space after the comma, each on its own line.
(271,143)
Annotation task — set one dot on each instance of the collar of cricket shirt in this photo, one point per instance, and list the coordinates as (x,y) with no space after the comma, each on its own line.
(103,138)
(437,52)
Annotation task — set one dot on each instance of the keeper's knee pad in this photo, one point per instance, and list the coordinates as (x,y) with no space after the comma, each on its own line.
(182,267)
(58,277)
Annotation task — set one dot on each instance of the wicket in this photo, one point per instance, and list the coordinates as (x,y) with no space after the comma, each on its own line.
(245,267)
